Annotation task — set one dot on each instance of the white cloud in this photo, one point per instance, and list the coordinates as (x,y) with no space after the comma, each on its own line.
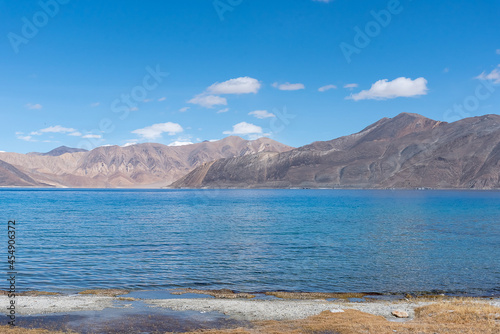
(208,101)
(26,138)
(446,70)
(92,136)
(492,76)
(498,51)
(262,114)
(223,111)
(289,86)
(327,87)
(57,129)
(129,144)
(34,106)
(324,1)
(2,151)
(156,130)
(180,143)
(351,85)
(161,99)
(244,128)
(400,87)
(184,109)
(242,85)
(96,104)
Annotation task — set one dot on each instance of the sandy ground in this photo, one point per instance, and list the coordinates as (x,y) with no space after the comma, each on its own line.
(58,304)
(240,309)
(243,309)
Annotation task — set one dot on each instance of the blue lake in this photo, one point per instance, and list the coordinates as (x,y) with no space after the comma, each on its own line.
(256,240)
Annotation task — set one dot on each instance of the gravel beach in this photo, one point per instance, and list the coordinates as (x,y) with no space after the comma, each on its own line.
(282,309)
(240,309)
(58,304)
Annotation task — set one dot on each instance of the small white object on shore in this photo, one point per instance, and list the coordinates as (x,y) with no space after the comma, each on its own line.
(337,310)
(400,314)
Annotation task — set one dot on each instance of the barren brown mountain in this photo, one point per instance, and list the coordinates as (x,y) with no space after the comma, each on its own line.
(143,165)
(407,151)
(60,151)
(12,176)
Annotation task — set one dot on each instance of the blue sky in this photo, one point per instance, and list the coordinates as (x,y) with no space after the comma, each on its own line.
(93,73)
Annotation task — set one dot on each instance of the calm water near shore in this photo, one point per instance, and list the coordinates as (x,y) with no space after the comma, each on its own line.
(256,240)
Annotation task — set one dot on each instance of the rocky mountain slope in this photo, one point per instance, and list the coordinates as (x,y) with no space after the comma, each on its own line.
(407,151)
(14,177)
(142,165)
(60,151)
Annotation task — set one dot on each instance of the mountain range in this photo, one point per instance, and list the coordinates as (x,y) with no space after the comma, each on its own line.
(143,165)
(407,151)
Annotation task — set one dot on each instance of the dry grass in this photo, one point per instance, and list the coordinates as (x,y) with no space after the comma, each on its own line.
(39,293)
(458,316)
(31,293)
(222,294)
(229,294)
(454,317)
(19,330)
(105,292)
(128,299)
(314,295)
(460,311)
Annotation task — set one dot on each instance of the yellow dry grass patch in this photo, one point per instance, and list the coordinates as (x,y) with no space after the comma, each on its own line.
(314,295)
(460,316)
(221,294)
(460,312)
(31,293)
(454,317)
(104,292)
(19,330)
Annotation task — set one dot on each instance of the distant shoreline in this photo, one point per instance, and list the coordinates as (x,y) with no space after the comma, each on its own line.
(176,293)
(235,188)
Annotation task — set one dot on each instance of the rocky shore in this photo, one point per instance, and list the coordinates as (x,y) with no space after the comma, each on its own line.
(247,311)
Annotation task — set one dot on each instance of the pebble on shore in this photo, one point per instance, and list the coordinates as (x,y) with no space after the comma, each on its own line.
(400,314)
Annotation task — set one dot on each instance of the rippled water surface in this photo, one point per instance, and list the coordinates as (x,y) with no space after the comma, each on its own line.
(256,240)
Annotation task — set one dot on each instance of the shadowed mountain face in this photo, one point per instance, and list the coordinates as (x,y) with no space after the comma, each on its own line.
(10,175)
(142,165)
(407,151)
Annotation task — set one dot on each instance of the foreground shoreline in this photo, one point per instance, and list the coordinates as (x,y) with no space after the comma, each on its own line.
(237,310)
(298,187)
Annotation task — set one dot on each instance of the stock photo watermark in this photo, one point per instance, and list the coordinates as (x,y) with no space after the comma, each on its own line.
(281,120)
(11,273)
(32,26)
(471,103)
(126,103)
(277,124)
(373,28)
(224,6)
(466,108)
